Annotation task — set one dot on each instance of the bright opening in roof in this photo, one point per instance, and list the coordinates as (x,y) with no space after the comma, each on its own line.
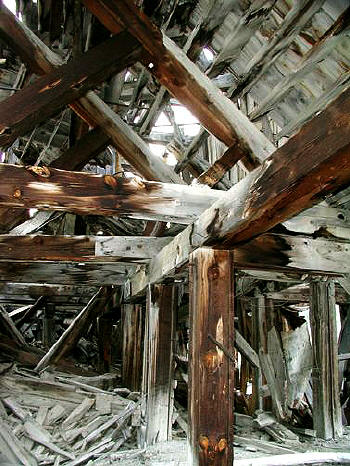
(208,54)
(11,5)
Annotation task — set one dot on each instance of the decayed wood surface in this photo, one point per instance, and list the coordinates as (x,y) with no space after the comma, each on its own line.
(84,193)
(325,388)
(313,163)
(71,336)
(10,328)
(185,81)
(79,248)
(21,112)
(64,273)
(91,107)
(132,345)
(160,313)
(211,382)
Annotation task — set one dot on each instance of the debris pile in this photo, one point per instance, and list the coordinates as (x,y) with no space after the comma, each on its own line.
(63,419)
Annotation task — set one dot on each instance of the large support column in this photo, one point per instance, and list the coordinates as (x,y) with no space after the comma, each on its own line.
(132,345)
(326,404)
(211,373)
(158,362)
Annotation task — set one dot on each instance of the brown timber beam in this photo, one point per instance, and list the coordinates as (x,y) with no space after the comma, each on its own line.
(326,404)
(84,193)
(175,71)
(132,345)
(311,165)
(211,373)
(32,105)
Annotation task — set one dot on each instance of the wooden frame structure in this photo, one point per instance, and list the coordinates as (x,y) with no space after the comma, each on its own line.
(272,224)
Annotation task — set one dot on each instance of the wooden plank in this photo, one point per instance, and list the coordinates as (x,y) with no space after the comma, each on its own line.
(84,193)
(312,164)
(211,382)
(132,345)
(104,338)
(21,112)
(72,334)
(64,274)
(34,291)
(160,313)
(31,248)
(325,390)
(10,328)
(35,53)
(175,71)
(246,350)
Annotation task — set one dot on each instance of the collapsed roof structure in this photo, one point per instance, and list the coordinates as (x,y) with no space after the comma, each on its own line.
(187,161)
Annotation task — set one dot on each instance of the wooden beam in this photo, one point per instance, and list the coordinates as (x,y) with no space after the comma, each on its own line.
(15,289)
(160,314)
(72,334)
(325,390)
(132,345)
(65,273)
(84,193)
(33,104)
(10,328)
(312,164)
(211,382)
(86,148)
(175,71)
(31,248)
(246,350)
(35,53)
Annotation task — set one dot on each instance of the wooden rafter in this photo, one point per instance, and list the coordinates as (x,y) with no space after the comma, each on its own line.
(185,81)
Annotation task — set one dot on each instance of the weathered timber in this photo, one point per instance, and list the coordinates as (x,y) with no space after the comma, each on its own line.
(211,383)
(301,294)
(325,390)
(71,336)
(91,107)
(78,249)
(29,312)
(39,57)
(21,112)
(313,163)
(15,289)
(10,328)
(160,313)
(64,273)
(214,174)
(84,193)
(246,350)
(185,81)
(130,145)
(104,338)
(132,346)
(48,328)
(86,148)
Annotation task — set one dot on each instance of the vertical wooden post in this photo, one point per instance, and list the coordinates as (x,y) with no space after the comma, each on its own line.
(259,342)
(132,345)
(105,331)
(211,373)
(48,325)
(158,378)
(326,404)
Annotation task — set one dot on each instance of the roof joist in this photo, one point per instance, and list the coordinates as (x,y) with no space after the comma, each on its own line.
(175,71)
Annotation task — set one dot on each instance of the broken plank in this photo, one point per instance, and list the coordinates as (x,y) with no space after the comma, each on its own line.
(84,193)
(10,328)
(72,334)
(246,350)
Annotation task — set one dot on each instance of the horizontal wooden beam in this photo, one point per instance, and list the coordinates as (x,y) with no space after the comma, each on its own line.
(84,193)
(30,248)
(312,164)
(32,105)
(15,289)
(175,71)
(64,273)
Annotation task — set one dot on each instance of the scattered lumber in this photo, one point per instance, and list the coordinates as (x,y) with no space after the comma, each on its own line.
(297,459)
(50,422)
(73,333)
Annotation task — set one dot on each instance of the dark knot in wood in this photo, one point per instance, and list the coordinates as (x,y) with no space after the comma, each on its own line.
(212,448)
